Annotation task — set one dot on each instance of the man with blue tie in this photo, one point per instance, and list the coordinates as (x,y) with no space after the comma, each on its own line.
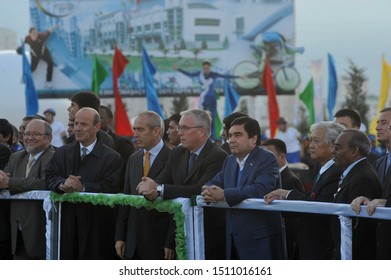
(250,172)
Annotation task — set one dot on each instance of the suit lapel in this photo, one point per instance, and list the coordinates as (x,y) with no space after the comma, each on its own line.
(247,169)
(158,163)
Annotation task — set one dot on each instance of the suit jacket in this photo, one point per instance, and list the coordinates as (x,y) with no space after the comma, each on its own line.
(383,230)
(123,145)
(373,157)
(146,232)
(360,181)
(5,231)
(289,181)
(28,215)
(177,183)
(315,241)
(251,231)
(87,231)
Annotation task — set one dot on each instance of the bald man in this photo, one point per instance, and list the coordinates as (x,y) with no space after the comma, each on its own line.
(24,172)
(86,165)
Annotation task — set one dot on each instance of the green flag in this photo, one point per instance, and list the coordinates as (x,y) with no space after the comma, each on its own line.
(99,74)
(218,126)
(307,96)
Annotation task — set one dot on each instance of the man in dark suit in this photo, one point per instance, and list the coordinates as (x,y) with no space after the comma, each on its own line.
(24,172)
(5,231)
(226,127)
(86,165)
(189,167)
(140,233)
(383,230)
(250,172)
(123,145)
(315,240)
(87,99)
(289,181)
(351,119)
(359,178)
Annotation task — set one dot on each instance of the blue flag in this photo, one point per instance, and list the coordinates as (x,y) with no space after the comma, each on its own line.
(333,85)
(149,71)
(30,91)
(231,98)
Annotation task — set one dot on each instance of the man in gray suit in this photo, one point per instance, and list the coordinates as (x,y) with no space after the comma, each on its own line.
(141,233)
(24,172)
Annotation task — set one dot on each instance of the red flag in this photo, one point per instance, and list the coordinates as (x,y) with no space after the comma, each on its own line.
(268,84)
(122,123)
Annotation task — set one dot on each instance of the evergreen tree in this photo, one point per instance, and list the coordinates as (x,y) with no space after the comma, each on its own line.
(196,52)
(356,95)
(179,104)
(226,43)
(204,45)
(183,44)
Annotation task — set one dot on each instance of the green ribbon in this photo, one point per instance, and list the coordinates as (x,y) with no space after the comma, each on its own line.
(169,206)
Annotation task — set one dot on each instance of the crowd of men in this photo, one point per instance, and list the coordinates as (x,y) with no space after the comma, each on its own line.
(176,158)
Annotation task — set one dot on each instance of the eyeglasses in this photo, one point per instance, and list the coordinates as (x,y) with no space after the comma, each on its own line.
(34,134)
(186,128)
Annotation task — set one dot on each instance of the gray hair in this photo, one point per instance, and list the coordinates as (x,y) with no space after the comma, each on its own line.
(360,140)
(202,118)
(48,128)
(154,120)
(332,130)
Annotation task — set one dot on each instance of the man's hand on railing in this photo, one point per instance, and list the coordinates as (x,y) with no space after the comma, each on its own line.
(148,188)
(212,194)
(370,204)
(4,179)
(279,194)
(72,184)
(120,248)
(357,202)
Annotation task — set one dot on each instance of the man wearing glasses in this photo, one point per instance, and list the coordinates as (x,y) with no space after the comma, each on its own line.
(24,172)
(190,166)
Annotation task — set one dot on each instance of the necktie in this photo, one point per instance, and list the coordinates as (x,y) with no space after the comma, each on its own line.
(29,165)
(239,176)
(388,162)
(84,151)
(192,158)
(147,160)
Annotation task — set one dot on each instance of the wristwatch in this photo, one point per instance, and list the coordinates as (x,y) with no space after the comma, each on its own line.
(159,189)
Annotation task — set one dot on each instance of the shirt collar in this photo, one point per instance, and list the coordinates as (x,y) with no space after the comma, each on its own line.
(350,167)
(90,147)
(283,168)
(326,166)
(197,152)
(155,150)
(242,162)
(36,157)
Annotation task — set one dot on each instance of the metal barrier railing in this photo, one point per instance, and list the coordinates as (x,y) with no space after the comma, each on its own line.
(193,216)
(344,212)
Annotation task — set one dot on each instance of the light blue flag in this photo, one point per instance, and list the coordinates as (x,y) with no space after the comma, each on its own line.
(30,91)
(333,85)
(149,71)
(231,98)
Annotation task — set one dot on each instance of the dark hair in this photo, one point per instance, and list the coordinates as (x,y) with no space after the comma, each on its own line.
(206,62)
(31,29)
(166,126)
(251,126)
(360,140)
(6,130)
(230,118)
(175,118)
(108,111)
(352,114)
(387,109)
(86,99)
(278,144)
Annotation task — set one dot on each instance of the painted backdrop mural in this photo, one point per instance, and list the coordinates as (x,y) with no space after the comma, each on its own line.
(234,35)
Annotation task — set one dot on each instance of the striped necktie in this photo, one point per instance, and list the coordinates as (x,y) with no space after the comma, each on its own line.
(29,165)
(192,158)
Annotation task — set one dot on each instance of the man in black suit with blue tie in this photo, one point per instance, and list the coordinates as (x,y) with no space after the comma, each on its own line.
(250,172)
(141,233)
(315,241)
(382,166)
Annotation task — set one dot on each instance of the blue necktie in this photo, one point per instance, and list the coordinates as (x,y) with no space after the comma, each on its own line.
(239,176)
(192,158)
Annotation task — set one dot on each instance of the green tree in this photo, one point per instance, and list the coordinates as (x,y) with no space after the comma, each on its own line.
(204,45)
(139,46)
(165,52)
(161,45)
(356,95)
(303,126)
(179,104)
(183,44)
(196,52)
(226,43)
(243,107)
